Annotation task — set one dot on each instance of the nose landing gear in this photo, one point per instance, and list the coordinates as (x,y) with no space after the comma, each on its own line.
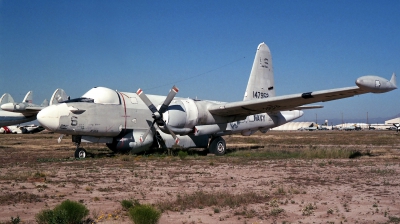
(80,153)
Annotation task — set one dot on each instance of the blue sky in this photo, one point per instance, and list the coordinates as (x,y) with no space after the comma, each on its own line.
(206,48)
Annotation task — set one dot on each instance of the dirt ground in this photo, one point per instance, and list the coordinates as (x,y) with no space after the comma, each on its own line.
(37,173)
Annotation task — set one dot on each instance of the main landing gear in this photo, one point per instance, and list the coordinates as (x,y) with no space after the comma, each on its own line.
(217,146)
(80,153)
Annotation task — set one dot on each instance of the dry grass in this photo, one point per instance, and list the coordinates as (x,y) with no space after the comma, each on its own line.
(201,199)
(306,138)
(274,177)
(19,197)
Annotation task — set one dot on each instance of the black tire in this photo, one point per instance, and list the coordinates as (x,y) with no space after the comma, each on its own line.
(80,153)
(112,146)
(217,146)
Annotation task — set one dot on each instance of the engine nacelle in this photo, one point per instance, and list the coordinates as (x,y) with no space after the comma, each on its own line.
(13,107)
(183,115)
(130,142)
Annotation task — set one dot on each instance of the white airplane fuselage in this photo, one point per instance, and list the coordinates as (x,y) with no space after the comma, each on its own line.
(136,122)
(123,118)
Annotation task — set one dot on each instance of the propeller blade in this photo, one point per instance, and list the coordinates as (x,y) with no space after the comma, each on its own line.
(157,114)
(174,90)
(146,100)
(143,137)
(171,133)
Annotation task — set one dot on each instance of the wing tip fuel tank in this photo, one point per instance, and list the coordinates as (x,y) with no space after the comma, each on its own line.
(376,84)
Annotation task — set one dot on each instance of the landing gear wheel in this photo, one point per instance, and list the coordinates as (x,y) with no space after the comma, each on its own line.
(80,153)
(218,146)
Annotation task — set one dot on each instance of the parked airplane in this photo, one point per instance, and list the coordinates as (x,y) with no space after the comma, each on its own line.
(16,129)
(13,129)
(353,127)
(125,121)
(16,113)
(30,129)
(396,127)
(312,127)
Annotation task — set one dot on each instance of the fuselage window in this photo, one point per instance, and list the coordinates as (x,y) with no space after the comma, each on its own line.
(80,99)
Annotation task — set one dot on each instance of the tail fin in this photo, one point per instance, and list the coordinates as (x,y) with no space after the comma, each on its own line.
(6,98)
(45,103)
(261,81)
(58,96)
(393,80)
(28,97)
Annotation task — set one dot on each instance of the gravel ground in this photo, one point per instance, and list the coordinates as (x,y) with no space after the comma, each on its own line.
(37,173)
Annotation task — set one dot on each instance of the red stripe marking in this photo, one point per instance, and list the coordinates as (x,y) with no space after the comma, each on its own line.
(7,129)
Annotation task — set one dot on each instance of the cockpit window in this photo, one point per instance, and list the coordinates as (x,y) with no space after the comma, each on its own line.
(80,99)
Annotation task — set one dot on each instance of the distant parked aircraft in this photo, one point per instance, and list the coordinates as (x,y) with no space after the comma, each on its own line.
(396,127)
(312,127)
(16,113)
(16,129)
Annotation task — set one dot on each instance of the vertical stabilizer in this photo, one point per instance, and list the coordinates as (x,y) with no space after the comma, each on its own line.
(45,103)
(261,81)
(58,96)
(6,98)
(28,97)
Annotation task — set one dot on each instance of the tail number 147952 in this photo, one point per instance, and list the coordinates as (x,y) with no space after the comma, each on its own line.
(260,95)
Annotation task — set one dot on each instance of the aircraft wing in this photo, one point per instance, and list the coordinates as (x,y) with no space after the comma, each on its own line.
(24,108)
(33,108)
(365,84)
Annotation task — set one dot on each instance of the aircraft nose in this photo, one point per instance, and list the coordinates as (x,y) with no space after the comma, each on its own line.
(49,117)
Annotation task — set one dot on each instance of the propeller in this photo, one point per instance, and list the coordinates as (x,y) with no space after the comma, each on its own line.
(397,126)
(158,114)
